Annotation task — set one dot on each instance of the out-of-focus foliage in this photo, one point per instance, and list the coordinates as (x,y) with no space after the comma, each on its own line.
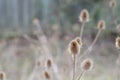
(20,13)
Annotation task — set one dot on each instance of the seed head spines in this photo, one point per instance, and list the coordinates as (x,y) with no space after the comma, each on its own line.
(47,75)
(78,39)
(49,63)
(101,24)
(74,47)
(84,16)
(87,65)
(112,4)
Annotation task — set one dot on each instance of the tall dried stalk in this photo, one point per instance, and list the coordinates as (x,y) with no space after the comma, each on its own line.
(45,48)
(80,76)
(74,66)
(89,49)
(82,29)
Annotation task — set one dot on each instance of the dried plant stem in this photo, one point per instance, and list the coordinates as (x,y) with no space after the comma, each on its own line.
(25,70)
(74,66)
(114,19)
(96,38)
(89,49)
(80,76)
(82,29)
(44,45)
(35,42)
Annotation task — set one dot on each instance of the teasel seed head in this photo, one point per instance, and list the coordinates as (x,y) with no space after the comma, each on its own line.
(84,16)
(2,75)
(74,47)
(47,75)
(87,65)
(35,21)
(101,24)
(78,39)
(112,4)
(49,63)
(117,43)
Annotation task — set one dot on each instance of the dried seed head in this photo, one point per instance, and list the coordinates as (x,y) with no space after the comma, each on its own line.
(79,41)
(74,47)
(112,4)
(84,16)
(49,63)
(87,65)
(47,75)
(101,24)
(35,21)
(117,43)
(2,75)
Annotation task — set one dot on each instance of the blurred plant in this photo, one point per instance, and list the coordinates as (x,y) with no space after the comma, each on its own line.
(84,17)
(101,25)
(2,76)
(74,49)
(47,75)
(48,66)
(76,44)
(86,65)
(117,44)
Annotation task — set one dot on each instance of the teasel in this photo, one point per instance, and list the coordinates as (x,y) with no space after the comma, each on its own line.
(101,25)
(47,75)
(117,43)
(83,18)
(78,39)
(49,63)
(86,65)
(74,49)
(2,75)
(112,4)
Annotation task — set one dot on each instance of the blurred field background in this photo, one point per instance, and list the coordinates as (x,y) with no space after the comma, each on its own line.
(22,44)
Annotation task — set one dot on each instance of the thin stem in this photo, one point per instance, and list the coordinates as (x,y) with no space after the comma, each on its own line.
(80,76)
(114,20)
(82,29)
(31,40)
(74,66)
(96,38)
(113,17)
(89,49)
(45,46)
